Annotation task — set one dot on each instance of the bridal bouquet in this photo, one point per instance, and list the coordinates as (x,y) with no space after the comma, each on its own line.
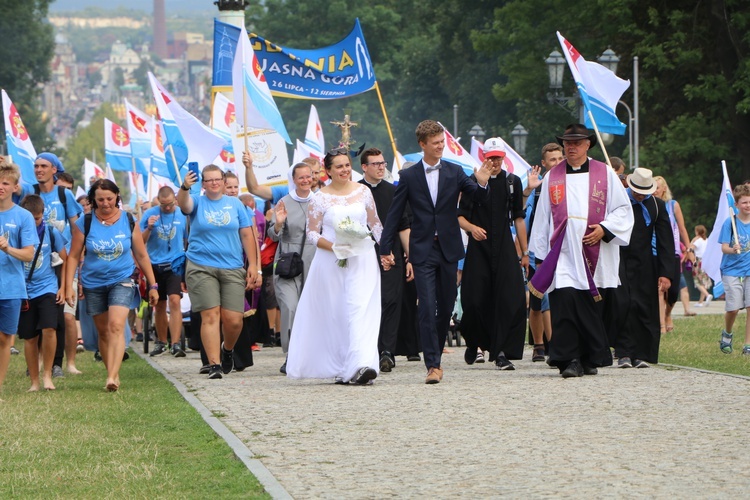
(352,239)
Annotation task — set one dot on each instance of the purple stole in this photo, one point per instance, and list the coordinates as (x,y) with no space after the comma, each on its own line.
(545,273)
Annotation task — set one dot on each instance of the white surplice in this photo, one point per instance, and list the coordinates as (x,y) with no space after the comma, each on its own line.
(618,220)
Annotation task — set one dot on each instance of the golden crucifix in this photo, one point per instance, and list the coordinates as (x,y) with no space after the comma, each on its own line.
(345,127)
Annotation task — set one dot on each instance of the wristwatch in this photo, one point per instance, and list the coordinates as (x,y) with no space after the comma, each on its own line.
(184,188)
(525,254)
(260,273)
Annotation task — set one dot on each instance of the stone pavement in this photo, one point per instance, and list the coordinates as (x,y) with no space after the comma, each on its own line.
(658,432)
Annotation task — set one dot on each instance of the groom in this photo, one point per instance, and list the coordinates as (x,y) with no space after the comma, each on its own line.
(432,188)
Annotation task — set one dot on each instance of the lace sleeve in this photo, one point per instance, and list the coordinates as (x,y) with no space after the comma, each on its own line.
(372,215)
(315,212)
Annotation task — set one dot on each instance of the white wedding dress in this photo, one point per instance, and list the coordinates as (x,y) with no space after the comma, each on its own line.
(336,327)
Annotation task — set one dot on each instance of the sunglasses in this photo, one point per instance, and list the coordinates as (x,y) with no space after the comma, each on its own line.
(338,152)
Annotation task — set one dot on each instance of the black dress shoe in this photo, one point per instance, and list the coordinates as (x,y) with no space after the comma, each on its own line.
(574,369)
(387,363)
(470,355)
(283,368)
(590,370)
(413,357)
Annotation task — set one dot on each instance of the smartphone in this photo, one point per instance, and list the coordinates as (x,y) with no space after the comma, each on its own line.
(193,167)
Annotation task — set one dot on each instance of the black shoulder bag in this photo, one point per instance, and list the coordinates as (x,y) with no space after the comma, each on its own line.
(25,302)
(290,264)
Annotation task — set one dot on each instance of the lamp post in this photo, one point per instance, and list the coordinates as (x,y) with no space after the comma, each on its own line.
(478,132)
(556,67)
(519,135)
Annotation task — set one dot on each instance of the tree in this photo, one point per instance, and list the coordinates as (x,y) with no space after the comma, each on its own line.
(88,142)
(26,54)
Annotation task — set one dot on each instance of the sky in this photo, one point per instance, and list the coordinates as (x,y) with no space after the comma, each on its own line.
(172,6)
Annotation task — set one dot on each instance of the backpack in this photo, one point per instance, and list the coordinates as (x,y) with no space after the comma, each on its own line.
(61,195)
(87,226)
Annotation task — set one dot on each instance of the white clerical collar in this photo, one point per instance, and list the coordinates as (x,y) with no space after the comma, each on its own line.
(370,183)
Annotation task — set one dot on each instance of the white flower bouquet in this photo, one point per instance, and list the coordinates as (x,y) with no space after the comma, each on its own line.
(352,239)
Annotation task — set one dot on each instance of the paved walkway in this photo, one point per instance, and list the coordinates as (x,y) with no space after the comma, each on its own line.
(658,432)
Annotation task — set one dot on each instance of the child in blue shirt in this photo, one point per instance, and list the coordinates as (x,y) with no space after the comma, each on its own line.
(735,268)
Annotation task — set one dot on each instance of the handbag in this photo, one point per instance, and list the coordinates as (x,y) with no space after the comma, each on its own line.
(290,264)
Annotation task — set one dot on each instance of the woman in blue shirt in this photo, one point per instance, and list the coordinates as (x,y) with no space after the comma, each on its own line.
(111,241)
(220,229)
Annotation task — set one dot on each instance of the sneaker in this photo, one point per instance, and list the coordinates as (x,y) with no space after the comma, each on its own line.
(709,298)
(57,372)
(159,348)
(502,363)
(699,304)
(125,356)
(746,350)
(574,369)
(639,363)
(255,348)
(214,372)
(538,354)
(624,362)
(14,351)
(725,344)
(97,356)
(204,369)
(79,346)
(590,370)
(227,359)
(177,351)
(365,375)
(139,337)
(480,357)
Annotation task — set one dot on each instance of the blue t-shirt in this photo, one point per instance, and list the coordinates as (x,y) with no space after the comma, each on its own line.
(166,241)
(214,231)
(18,227)
(733,264)
(108,259)
(53,208)
(44,279)
(278,192)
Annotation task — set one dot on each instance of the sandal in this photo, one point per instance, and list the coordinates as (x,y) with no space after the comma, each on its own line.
(538,353)
(670,328)
(691,314)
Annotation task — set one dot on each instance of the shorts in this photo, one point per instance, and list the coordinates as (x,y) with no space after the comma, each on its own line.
(43,313)
(68,309)
(537,304)
(212,286)
(10,309)
(737,292)
(169,282)
(100,299)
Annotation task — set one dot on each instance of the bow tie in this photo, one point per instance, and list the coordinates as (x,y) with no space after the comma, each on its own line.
(432,169)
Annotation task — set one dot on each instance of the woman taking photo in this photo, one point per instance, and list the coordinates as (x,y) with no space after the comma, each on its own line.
(288,226)
(702,280)
(111,239)
(220,229)
(335,334)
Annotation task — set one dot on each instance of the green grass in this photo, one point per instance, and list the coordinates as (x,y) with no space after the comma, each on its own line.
(79,441)
(695,342)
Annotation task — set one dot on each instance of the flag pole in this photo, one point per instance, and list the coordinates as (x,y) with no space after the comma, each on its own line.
(388,126)
(244,109)
(731,207)
(599,137)
(176,168)
(135,183)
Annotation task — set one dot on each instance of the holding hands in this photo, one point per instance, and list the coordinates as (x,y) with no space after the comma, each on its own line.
(387,261)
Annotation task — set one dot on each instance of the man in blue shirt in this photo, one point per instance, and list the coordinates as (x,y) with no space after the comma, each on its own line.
(18,239)
(164,231)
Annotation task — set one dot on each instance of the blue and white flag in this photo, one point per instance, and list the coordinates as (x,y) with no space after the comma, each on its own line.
(252,98)
(599,88)
(20,147)
(711,261)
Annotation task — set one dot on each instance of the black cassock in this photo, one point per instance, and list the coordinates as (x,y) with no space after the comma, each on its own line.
(638,331)
(492,289)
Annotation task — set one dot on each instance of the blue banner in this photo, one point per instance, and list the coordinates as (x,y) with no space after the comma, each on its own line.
(340,70)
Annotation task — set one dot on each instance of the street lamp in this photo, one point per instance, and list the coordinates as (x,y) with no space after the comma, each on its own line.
(478,132)
(519,135)
(556,67)
(609,60)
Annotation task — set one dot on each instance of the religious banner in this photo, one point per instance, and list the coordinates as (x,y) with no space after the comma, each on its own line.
(19,143)
(340,70)
(270,159)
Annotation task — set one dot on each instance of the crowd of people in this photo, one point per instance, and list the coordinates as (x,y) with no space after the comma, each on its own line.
(344,276)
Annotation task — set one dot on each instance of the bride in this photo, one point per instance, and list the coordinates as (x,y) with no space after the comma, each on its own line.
(336,334)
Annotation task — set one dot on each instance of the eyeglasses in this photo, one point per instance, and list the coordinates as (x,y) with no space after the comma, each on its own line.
(378,164)
(208,181)
(166,205)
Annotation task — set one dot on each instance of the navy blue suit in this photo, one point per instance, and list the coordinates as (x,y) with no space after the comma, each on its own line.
(435,245)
